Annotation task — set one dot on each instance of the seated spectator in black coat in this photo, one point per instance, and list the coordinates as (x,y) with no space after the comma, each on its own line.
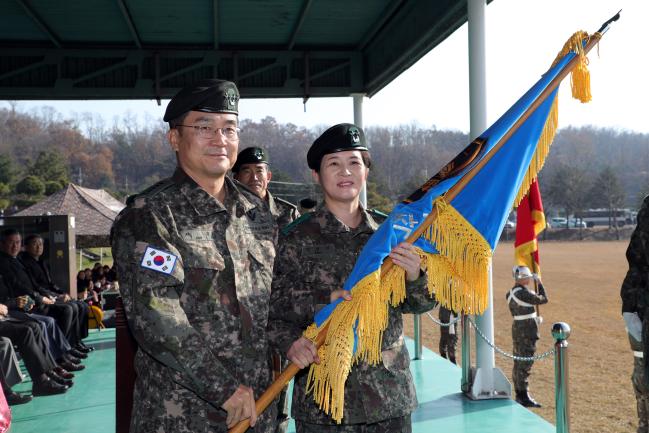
(47,377)
(20,285)
(38,270)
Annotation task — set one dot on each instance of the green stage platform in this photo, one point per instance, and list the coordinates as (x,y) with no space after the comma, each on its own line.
(90,404)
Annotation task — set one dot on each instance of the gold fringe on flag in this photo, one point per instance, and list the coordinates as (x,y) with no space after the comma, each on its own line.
(461,279)
(580,84)
(367,312)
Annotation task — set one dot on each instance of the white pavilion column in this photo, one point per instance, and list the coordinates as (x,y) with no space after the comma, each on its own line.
(488,381)
(358,121)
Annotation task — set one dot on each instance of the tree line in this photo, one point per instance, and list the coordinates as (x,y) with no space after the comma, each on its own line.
(40,152)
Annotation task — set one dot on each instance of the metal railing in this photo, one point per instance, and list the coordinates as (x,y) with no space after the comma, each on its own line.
(560,333)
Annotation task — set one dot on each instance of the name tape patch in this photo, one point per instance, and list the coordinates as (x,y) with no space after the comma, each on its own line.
(158,260)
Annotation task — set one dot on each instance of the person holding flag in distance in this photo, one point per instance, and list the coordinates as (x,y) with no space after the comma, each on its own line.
(316,254)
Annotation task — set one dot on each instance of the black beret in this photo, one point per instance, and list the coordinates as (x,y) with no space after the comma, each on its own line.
(209,96)
(308,203)
(250,155)
(338,138)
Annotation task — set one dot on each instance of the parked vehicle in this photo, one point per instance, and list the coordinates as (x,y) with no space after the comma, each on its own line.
(559,222)
(604,217)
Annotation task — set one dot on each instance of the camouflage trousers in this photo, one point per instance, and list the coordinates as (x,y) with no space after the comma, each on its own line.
(641,395)
(393,425)
(524,345)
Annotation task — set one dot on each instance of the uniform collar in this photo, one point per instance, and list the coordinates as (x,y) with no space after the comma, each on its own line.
(203,203)
(330,224)
(272,206)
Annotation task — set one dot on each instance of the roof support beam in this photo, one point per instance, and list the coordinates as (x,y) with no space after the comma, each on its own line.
(328,71)
(129,22)
(298,24)
(22,70)
(140,74)
(40,23)
(378,25)
(257,71)
(104,71)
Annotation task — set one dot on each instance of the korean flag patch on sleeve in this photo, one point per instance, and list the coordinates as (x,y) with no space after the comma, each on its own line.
(158,260)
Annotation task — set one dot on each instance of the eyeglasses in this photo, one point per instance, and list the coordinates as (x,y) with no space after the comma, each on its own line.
(207,132)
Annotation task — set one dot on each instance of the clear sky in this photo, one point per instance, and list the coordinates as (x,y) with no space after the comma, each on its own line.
(523,38)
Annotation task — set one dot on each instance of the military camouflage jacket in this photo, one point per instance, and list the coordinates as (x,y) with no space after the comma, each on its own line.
(201,322)
(634,292)
(315,257)
(283,211)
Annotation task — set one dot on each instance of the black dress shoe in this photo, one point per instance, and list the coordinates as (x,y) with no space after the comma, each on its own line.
(58,379)
(85,346)
(71,366)
(524,398)
(48,387)
(65,374)
(13,398)
(72,359)
(76,353)
(81,348)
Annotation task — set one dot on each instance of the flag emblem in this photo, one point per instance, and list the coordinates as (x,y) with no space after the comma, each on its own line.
(158,260)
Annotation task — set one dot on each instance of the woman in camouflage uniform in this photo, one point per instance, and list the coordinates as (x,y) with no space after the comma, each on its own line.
(317,253)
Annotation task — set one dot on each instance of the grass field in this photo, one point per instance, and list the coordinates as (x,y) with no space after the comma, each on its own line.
(583,282)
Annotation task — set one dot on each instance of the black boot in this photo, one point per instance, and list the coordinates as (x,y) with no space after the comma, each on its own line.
(524,398)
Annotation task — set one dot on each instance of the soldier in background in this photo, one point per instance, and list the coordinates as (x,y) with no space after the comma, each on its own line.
(448,334)
(635,300)
(317,252)
(252,169)
(522,301)
(195,254)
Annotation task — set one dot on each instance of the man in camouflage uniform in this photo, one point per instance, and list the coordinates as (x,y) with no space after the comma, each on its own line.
(317,252)
(635,299)
(252,169)
(525,329)
(194,254)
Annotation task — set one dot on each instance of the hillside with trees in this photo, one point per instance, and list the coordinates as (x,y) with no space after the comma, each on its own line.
(41,152)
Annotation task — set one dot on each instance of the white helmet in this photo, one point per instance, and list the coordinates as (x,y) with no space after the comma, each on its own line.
(521,272)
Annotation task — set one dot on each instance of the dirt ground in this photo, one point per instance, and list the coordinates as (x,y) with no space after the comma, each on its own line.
(583,283)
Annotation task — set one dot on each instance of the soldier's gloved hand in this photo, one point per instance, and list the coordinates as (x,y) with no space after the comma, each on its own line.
(303,353)
(633,325)
(240,406)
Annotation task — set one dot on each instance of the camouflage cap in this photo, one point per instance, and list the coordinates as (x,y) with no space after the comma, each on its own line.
(250,155)
(338,138)
(209,96)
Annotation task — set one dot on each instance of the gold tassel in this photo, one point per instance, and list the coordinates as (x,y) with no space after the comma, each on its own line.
(580,84)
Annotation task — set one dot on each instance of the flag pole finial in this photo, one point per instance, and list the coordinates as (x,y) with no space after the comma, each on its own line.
(606,25)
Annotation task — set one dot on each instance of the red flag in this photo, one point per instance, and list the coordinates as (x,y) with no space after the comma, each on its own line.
(530,221)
